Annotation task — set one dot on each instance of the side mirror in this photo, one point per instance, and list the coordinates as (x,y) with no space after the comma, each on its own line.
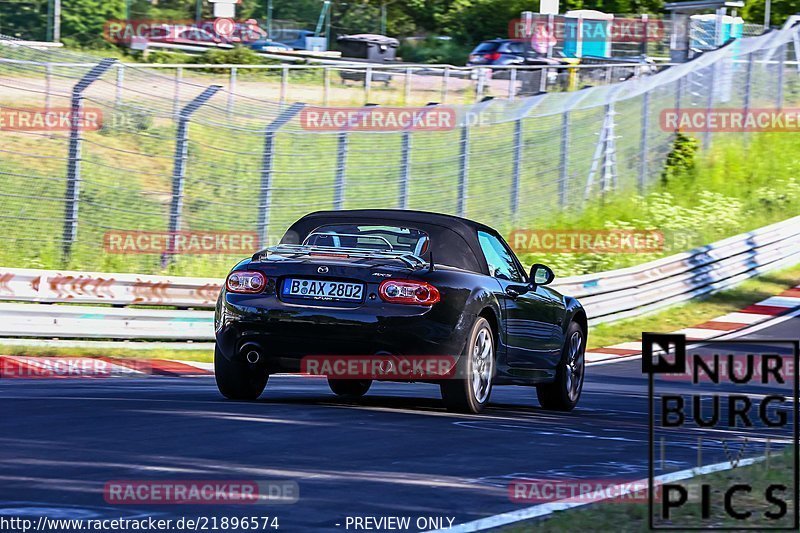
(541,275)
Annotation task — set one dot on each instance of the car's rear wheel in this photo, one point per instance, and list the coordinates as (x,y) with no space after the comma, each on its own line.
(238,380)
(350,388)
(563,394)
(468,391)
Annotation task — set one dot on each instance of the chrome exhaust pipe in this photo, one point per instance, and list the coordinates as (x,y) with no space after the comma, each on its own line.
(251,352)
(253,357)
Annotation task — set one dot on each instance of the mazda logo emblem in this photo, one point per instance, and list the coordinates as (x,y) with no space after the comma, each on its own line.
(322,270)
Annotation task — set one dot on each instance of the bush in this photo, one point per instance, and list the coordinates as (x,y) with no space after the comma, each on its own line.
(432,50)
(163,56)
(681,159)
(239,55)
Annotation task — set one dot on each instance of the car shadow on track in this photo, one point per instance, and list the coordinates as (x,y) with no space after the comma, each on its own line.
(406,404)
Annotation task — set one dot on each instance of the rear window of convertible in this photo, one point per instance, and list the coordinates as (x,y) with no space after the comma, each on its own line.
(393,238)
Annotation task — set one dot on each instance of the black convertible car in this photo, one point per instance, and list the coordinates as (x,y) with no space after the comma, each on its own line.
(390,283)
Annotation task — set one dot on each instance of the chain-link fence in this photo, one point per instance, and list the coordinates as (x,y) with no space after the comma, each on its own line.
(353,85)
(213,159)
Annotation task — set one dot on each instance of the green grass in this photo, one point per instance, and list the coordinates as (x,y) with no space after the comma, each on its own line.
(125,190)
(633,517)
(203,356)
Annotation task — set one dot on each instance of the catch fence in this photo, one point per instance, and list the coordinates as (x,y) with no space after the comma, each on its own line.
(190,157)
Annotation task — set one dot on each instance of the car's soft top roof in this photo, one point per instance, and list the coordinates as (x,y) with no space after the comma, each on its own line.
(454,239)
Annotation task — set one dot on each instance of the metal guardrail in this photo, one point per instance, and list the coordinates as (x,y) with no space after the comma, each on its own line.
(48,286)
(607,296)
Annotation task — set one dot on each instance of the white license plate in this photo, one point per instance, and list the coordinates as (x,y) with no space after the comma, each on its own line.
(323,290)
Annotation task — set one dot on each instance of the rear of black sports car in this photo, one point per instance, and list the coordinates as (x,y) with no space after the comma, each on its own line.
(390,286)
(329,303)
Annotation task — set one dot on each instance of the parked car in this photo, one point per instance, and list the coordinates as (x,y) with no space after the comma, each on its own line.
(266,45)
(181,34)
(508,52)
(501,52)
(295,38)
(388,283)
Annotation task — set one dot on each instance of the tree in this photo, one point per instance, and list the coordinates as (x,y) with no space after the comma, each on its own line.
(781,10)
(26,19)
(82,21)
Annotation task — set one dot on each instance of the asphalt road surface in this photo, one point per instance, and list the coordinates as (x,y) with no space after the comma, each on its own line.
(397,452)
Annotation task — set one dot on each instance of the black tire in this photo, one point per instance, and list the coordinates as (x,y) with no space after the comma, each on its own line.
(350,388)
(237,380)
(563,393)
(459,393)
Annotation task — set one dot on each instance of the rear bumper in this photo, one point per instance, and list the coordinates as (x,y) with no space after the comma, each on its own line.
(286,332)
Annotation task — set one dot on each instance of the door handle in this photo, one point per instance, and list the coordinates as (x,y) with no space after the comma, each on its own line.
(513,293)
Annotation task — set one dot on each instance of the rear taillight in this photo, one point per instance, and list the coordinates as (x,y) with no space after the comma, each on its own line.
(494,56)
(246,282)
(408,292)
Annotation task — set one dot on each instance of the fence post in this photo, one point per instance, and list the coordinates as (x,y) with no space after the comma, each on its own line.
(564,160)
(405,168)
(748,90)
(781,66)
(748,83)
(709,104)
(463,169)
(516,168)
(529,104)
(326,85)
(463,154)
(480,81)
(405,164)
(512,84)
(367,84)
(543,72)
(120,83)
(643,146)
(231,89)
(341,163)
(796,43)
(48,80)
(679,93)
(176,97)
(267,165)
(181,155)
(74,161)
(407,86)
(445,83)
(563,181)
(284,83)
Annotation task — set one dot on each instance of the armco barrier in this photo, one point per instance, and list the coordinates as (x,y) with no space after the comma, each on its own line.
(607,296)
(49,286)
